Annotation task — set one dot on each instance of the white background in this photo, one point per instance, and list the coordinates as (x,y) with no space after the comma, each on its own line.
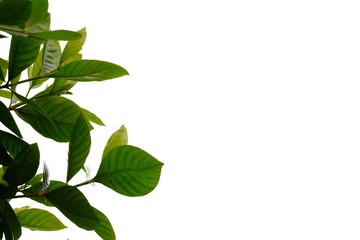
(253,106)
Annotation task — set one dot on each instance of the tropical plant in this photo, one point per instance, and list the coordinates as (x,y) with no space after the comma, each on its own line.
(37,57)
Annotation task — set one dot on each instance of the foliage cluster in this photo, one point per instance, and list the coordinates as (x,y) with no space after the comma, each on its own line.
(37,57)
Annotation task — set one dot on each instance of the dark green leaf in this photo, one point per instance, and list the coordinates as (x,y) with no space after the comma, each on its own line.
(118,138)
(12,143)
(89,70)
(28,160)
(63,112)
(38,219)
(38,110)
(73,204)
(5,158)
(37,188)
(129,170)
(9,219)
(56,35)
(104,229)
(39,12)
(7,119)
(79,147)
(72,49)
(22,54)
(14,12)
(8,186)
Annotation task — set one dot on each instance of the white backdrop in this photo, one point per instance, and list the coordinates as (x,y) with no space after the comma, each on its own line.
(253,106)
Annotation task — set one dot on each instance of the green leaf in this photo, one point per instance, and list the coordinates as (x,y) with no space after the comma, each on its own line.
(72,49)
(38,219)
(74,205)
(104,229)
(129,170)
(7,119)
(3,69)
(37,188)
(15,12)
(79,147)
(41,26)
(47,61)
(36,179)
(89,70)
(10,221)
(9,188)
(22,54)
(12,143)
(56,35)
(62,112)
(92,117)
(5,94)
(39,12)
(118,138)
(28,160)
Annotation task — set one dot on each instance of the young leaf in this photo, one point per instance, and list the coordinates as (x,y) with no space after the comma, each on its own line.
(104,229)
(89,70)
(72,49)
(38,219)
(118,138)
(7,119)
(14,12)
(41,26)
(5,94)
(10,221)
(22,54)
(28,160)
(129,170)
(74,205)
(56,35)
(79,147)
(61,111)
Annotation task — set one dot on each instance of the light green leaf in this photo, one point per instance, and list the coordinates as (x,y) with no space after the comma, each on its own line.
(36,179)
(14,12)
(74,205)
(5,94)
(89,70)
(104,229)
(56,35)
(7,119)
(22,54)
(118,138)
(79,147)
(41,26)
(39,13)
(72,49)
(39,219)
(129,170)
(28,160)
(92,117)
(9,221)
(63,112)
(47,61)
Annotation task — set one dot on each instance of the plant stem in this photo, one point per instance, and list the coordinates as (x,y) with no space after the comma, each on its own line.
(84,183)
